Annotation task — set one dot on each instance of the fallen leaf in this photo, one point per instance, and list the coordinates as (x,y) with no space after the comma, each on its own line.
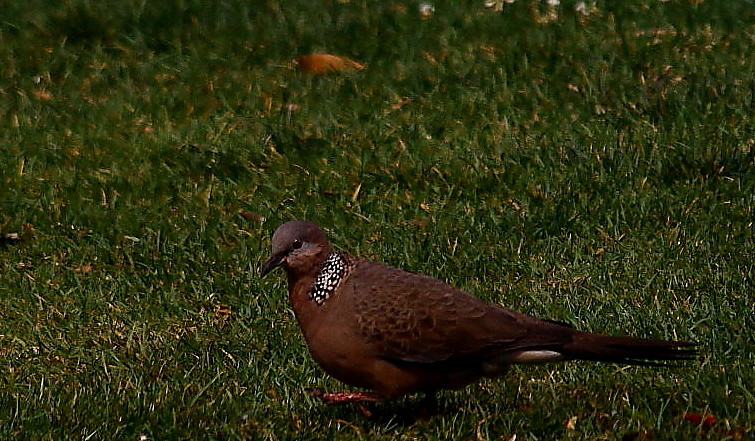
(42,95)
(248,215)
(326,63)
(222,309)
(571,424)
(85,269)
(221,315)
(696,418)
(400,103)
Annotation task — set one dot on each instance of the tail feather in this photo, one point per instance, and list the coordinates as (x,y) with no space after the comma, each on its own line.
(627,350)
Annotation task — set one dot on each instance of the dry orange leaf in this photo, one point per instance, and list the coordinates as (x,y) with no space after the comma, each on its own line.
(222,310)
(326,63)
(220,317)
(571,423)
(42,94)
(248,215)
(85,269)
(707,421)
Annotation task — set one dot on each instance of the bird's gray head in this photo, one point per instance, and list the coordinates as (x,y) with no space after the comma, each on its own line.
(299,247)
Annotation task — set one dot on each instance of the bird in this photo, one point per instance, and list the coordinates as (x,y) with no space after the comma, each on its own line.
(391,332)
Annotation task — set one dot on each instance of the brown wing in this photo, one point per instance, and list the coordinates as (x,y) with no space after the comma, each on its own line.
(415,318)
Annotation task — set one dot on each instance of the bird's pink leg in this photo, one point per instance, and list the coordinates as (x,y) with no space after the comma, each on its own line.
(358,398)
(345,397)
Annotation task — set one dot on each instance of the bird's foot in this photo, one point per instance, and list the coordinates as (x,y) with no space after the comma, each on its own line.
(344,397)
(358,398)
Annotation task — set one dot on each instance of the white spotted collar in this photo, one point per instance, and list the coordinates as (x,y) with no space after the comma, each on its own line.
(331,273)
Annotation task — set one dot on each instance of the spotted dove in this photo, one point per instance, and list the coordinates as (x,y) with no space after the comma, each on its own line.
(394,332)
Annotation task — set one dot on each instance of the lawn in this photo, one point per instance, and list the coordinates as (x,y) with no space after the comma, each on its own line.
(588,162)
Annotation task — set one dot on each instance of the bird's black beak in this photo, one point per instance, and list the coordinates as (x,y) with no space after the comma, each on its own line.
(273,262)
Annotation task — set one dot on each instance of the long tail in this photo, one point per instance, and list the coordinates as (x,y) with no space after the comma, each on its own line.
(627,350)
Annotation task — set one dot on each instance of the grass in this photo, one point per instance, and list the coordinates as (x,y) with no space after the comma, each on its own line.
(597,169)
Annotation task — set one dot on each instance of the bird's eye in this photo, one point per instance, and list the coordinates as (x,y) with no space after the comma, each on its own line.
(296,245)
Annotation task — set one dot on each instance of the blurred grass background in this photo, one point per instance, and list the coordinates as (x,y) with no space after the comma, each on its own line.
(588,162)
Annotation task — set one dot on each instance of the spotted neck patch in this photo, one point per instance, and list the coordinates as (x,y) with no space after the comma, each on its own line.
(332,272)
